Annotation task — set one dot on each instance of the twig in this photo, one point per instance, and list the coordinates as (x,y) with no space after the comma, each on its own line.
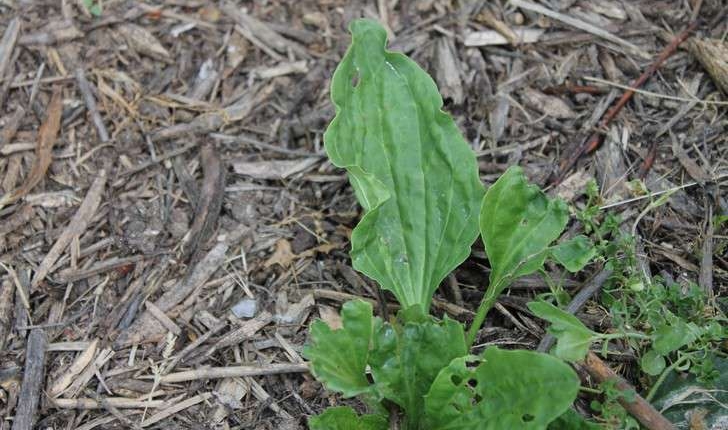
(596,139)
(33,377)
(234,372)
(113,410)
(88,98)
(167,155)
(117,402)
(705,278)
(7,45)
(638,407)
(693,100)
(659,193)
(166,413)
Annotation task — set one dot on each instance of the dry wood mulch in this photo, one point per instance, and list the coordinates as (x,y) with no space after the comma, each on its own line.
(169,223)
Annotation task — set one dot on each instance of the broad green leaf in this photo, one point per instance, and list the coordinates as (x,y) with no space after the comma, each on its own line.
(405,359)
(574,254)
(573,338)
(412,171)
(339,357)
(518,223)
(502,390)
(652,363)
(345,418)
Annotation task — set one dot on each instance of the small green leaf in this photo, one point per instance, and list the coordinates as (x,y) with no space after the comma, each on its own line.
(345,418)
(518,223)
(406,359)
(652,363)
(502,390)
(412,171)
(339,357)
(571,420)
(673,334)
(573,338)
(574,254)
(92,7)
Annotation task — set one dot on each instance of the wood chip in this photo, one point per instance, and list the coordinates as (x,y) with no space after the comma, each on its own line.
(7,45)
(147,328)
(75,228)
(713,55)
(82,360)
(7,293)
(208,206)
(33,378)
(447,73)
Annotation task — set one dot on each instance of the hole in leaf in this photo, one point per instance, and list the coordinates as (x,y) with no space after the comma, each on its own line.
(527,418)
(472,364)
(456,379)
(355,80)
(472,383)
(478,398)
(524,222)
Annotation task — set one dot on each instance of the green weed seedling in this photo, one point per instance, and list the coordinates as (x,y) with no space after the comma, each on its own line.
(424,205)
(671,327)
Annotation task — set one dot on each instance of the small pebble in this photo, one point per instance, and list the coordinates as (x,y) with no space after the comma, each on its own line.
(245,308)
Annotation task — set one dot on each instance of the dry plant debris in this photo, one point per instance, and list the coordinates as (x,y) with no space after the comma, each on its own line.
(162,163)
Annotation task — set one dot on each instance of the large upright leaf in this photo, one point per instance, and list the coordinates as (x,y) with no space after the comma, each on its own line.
(502,390)
(405,359)
(518,223)
(339,357)
(411,169)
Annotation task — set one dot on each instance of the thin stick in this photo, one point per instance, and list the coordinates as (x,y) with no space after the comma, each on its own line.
(639,408)
(88,98)
(581,25)
(234,372)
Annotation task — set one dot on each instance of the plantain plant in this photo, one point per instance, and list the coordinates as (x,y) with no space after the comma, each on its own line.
(424,205)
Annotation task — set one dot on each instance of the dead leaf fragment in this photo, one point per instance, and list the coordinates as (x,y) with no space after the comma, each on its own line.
(283,256)
(273,169)
(492,37)
(46,139)
(142,41)
(549,105)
